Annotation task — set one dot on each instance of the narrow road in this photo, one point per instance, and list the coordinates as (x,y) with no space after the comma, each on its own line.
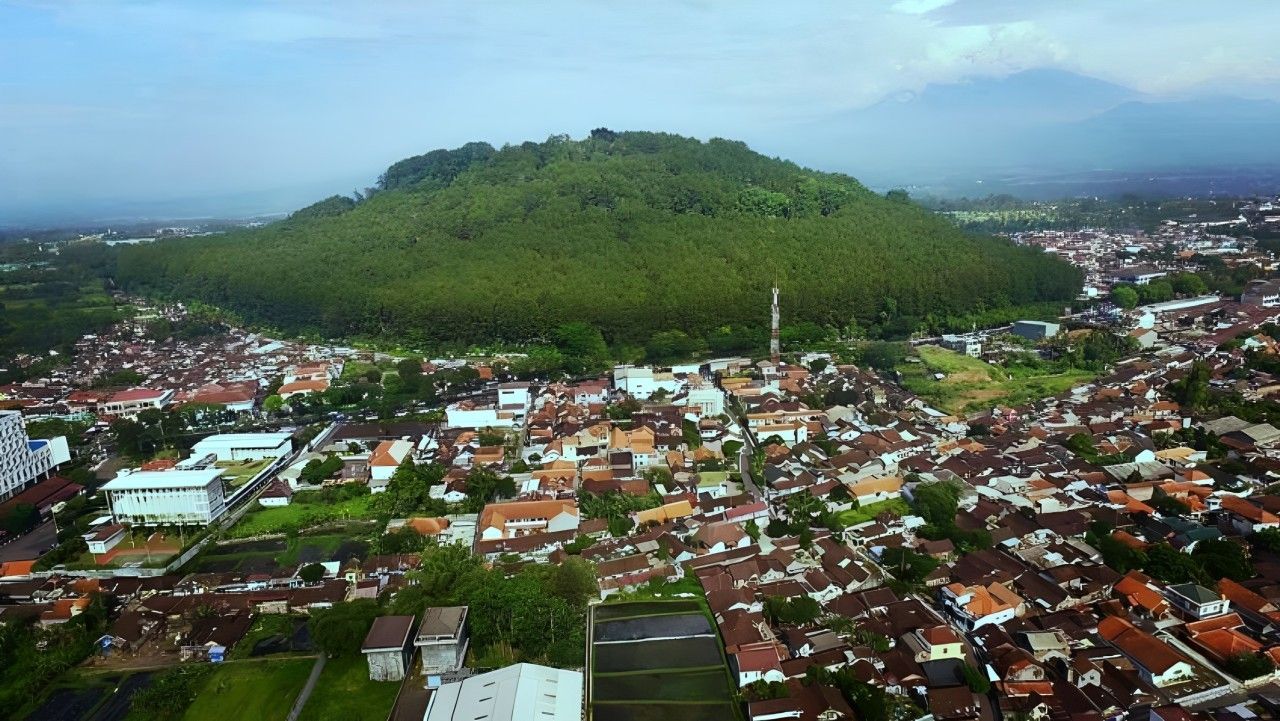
(749,484)
(307,688)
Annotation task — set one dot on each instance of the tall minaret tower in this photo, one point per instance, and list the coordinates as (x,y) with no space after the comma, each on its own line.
(775,346)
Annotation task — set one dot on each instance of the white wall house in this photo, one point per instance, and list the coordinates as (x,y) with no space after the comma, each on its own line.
(23,460)
(522,518)
(153,498)
(243,446)
(129,403)
(384,462)
(513,395)
(708,399)
(643,382)
(466,415)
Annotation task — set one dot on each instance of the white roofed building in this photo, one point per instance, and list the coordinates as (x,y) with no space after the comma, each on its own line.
(243,446)
(523,692)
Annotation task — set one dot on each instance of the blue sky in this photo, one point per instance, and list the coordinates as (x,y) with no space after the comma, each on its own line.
(108,101)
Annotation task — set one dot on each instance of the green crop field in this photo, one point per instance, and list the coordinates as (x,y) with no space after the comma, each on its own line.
(973,385)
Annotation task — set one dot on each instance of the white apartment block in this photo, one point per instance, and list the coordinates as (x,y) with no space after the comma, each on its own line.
(22,460)
(155,498)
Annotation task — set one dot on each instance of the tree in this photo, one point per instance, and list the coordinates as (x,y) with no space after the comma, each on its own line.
(340,630)
(1189,284)
(401,540)
(689,431)
(799,610)
(1268,539)
(583,347)
(21,518)
(1245,665)
(409,491)
(318,470)
(884,356)
(975,679)
(311,573)
(483,486)
(1221,558)
(1124,296)
(1164,563)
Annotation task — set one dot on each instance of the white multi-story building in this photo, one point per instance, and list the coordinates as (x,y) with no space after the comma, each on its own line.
(23,460)
(155,498)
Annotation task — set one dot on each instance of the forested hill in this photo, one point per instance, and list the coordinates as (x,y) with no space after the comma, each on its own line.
(637,233)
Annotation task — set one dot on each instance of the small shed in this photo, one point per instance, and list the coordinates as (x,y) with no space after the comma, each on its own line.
(388,647)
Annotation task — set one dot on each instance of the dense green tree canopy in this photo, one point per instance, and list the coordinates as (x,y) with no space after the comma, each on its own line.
(641,235)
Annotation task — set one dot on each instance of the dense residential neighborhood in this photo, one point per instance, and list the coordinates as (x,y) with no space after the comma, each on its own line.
(816,534)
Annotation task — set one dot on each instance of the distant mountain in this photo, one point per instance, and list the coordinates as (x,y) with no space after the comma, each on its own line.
(638,234)
(1042,122)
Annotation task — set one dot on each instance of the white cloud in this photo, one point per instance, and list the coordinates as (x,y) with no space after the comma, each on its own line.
(917,7)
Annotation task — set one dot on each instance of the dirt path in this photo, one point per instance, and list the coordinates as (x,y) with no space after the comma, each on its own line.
(310,686)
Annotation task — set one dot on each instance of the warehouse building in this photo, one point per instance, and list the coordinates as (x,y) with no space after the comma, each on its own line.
(243,446)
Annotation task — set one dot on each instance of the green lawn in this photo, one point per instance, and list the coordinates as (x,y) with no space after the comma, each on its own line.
(971,384)
(345,693)
(854,516)
(260,690)
(299,516)
(240,472)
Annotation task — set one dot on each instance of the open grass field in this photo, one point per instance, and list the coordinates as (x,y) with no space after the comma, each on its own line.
(299,516)
(862,514)
(972,385)
(345,693)
(262,690)
(265,556)
(241,472)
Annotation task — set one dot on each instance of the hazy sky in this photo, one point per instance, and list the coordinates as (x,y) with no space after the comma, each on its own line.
(106,100)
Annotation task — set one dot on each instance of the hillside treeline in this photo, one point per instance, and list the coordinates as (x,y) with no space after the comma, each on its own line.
(635,233)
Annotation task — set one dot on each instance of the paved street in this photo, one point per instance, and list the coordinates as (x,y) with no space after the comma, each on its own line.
(30,545)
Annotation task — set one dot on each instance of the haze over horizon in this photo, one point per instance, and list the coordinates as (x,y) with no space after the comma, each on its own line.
(115,108)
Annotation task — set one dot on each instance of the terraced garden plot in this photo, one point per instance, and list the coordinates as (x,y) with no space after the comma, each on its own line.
(614,611)
(650,627)
(681,685)
(714,711)
(652,655)
(658,661)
